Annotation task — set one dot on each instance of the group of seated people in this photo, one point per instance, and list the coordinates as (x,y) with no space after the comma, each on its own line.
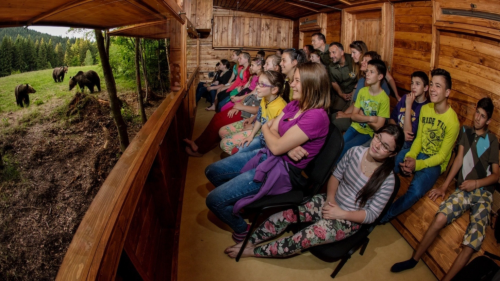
(274,118)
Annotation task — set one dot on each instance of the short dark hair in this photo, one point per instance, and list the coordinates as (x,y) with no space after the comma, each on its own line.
(217,64)
(340,46)
(373,55)
(380,66)
(298,55)
(321,36)
(280,50)
(226,63)
(262,53)
(445,74)
(309,48)
(487,105)
(421,75)
(237,52)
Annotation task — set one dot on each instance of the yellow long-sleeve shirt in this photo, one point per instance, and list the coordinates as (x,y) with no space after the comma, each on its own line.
(436,136)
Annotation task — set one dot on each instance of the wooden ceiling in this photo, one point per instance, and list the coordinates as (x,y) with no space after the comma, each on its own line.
(292,9)
(101,14)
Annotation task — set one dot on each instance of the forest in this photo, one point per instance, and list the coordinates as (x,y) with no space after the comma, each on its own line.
(23,50)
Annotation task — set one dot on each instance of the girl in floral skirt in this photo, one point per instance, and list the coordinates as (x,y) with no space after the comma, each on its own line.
(358,191)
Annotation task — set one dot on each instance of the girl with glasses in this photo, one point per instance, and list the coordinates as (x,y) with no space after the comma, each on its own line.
(292,140)
(357,193)
(268,90)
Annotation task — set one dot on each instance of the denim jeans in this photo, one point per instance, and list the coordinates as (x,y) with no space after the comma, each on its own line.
(353,138)
(422,182)
(201,92)
(231,186)
(254,145)
(212,96)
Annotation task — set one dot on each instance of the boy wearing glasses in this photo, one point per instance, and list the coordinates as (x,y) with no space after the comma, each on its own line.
(477,167)
(431,150)
(370,109)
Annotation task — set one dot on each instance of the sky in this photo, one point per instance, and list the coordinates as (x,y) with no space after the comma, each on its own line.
(56,31)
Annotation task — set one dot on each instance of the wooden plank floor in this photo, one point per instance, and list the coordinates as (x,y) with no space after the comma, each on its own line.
(203,239)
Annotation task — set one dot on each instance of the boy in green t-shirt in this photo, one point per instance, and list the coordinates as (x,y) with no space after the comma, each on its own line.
(431,149)
(370,109)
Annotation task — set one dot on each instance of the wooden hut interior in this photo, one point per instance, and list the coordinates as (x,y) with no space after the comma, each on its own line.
(149,220)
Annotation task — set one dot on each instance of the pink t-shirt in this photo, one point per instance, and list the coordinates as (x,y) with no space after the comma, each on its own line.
(313,122)
(253,82)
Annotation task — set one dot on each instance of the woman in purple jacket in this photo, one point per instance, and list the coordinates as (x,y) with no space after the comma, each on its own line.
(296,135)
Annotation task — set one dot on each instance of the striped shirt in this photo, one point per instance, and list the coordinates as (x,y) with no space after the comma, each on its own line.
(352,180)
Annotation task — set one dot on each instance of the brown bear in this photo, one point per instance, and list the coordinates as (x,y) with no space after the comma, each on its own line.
(89,79)
(22,92)
(58,73)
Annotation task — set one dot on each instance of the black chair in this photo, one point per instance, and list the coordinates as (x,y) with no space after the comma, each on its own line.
(318,171)
(344,249)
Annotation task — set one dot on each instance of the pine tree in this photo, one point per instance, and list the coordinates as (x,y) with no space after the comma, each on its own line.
(30,54)
(68,55)
(6,56)
(88,58)
(59,55)
(18,55)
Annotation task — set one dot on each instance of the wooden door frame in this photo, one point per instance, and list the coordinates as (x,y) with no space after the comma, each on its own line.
(322,29)
(387,27)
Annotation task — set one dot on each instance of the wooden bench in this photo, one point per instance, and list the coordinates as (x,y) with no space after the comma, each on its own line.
(413,224)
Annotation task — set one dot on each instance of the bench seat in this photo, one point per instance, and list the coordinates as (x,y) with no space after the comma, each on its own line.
(413,223)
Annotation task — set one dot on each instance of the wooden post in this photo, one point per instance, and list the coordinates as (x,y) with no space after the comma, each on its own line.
(111,87)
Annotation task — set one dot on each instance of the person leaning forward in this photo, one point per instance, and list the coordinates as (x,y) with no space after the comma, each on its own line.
(342,76)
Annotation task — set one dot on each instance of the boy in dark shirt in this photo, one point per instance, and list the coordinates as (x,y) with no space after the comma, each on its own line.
(477,167)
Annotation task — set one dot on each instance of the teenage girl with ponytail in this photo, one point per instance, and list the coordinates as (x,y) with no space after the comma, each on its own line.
(290,59)
(358,191)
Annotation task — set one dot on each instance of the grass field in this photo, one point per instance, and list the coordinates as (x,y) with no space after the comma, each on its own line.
(46,89)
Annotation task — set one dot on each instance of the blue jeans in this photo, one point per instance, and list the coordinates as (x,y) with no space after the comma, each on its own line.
(201,92)
(353,138)
(212,96)
(422,182)
(254,145)
(231,186)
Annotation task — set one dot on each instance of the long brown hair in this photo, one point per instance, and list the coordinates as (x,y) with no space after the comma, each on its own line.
(315,86)
(383,171)
(361,47)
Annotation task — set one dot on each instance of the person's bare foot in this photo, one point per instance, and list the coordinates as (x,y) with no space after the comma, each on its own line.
(247,252)
(190,152)
(192,144)
(210,108)
(235,246)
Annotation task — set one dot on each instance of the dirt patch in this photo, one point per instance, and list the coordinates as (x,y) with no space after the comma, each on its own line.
(54,171)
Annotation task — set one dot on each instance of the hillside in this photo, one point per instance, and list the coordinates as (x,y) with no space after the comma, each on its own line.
(57,154)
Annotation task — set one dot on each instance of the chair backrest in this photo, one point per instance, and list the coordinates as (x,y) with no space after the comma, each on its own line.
(320,168)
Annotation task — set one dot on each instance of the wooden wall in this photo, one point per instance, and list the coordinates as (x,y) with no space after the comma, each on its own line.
(209,56)
(412,40)
(333,27)
(252,32)
(199,13)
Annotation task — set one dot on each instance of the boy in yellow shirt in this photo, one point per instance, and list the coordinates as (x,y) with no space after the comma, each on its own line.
(431,150)
(371,108)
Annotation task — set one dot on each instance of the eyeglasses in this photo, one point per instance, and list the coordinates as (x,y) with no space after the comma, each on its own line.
(385,146)
(262,85)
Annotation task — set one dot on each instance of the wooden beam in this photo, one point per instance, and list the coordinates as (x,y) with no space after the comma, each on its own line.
(57,10)
(143,6)
(301,6)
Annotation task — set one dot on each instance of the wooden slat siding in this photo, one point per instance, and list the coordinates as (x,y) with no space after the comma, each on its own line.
(412,40)
(334,21)
(250,32)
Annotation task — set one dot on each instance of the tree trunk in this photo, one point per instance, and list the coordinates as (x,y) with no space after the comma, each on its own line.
(111,87)
(138,81)
(107,41)
(168,64)
(144,71)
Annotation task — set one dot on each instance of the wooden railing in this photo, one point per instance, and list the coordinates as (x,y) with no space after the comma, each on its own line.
(136,214)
